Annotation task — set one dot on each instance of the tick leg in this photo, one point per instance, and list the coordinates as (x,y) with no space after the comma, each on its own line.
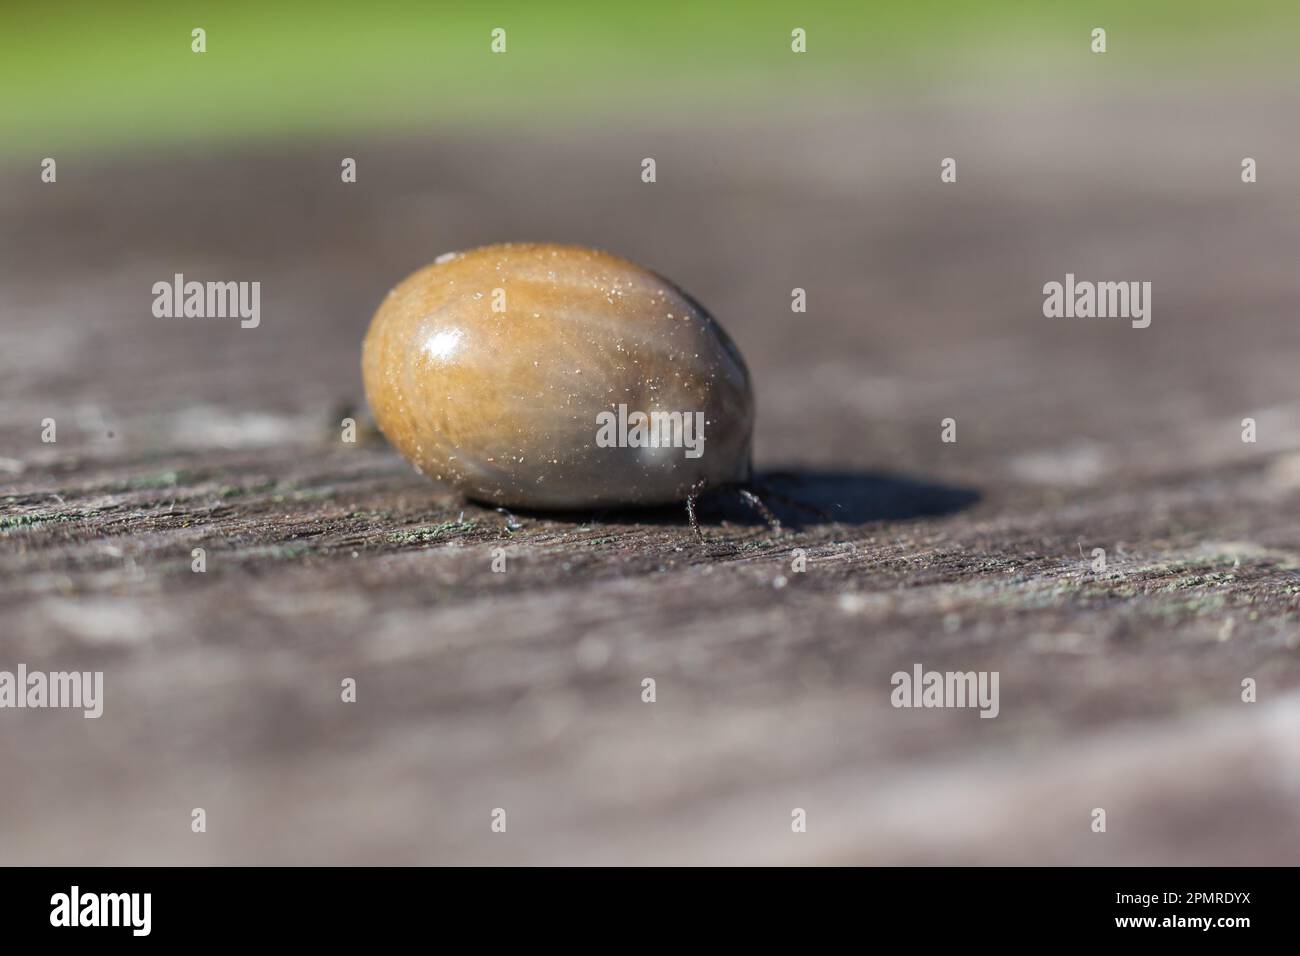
(691,516)
(775,495)
(512,523)
(755,502)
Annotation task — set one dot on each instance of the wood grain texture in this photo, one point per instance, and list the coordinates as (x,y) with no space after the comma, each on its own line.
(521,690)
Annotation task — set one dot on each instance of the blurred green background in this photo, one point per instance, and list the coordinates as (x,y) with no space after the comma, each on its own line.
(113,75)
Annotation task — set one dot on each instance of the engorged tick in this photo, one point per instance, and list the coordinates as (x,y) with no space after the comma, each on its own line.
(500,371)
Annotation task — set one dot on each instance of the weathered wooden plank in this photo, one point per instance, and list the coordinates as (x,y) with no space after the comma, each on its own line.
(1118,688)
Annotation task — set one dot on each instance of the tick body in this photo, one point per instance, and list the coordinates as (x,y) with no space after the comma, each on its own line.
(557,377)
